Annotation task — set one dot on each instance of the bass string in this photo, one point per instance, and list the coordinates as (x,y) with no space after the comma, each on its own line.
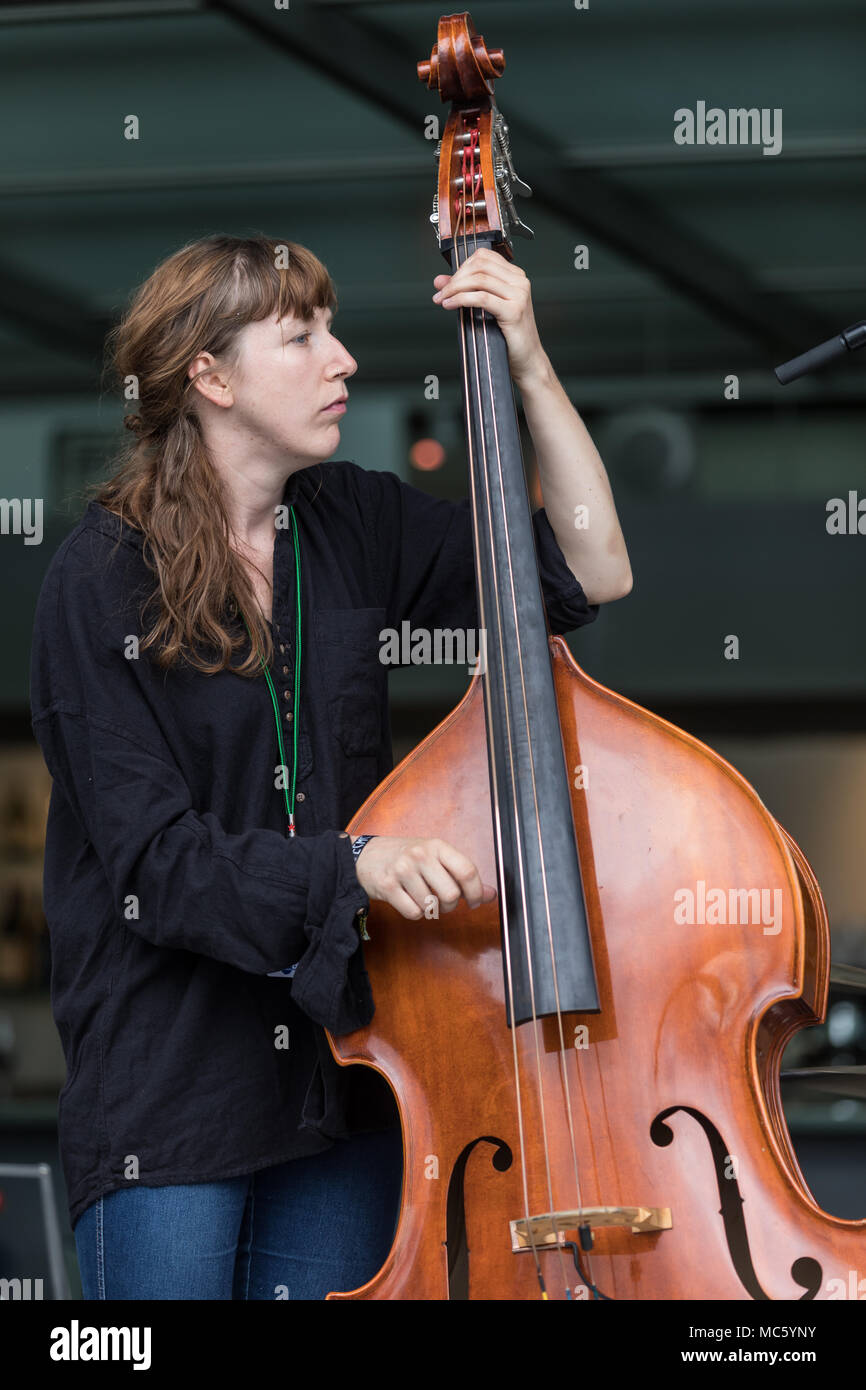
(470,178)
(521,668)
(562,1055)
(521,879)
(459,214)
(473,179)
(540,1090)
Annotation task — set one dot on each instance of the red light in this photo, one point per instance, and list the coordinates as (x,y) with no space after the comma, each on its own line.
(426,455)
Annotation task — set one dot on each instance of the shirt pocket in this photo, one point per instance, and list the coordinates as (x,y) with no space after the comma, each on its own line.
(354,678)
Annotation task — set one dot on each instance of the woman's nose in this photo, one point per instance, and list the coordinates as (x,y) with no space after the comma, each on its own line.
(348,365)
(344,361)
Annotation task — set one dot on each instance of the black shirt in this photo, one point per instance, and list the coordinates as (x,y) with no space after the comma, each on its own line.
(171,888)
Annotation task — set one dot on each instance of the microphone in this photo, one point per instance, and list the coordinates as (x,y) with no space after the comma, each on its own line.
(849,340)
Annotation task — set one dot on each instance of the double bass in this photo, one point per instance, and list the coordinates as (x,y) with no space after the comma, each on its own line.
(587,1080)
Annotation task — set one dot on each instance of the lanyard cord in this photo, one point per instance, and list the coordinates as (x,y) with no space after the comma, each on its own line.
(289,805)
(361,914)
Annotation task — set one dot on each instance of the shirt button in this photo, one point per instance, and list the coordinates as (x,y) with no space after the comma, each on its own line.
(282,649)
(290,716)
(287,694)
(285,668)
(300,797)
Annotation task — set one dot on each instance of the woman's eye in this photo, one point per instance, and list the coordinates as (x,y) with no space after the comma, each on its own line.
(301,338)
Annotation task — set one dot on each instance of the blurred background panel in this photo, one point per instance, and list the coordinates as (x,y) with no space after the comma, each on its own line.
(668,281)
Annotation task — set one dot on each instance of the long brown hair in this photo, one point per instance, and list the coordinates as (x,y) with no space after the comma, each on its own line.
(196,301)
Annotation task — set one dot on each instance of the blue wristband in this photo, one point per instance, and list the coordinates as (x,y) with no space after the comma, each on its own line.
(359,844)
(362,912)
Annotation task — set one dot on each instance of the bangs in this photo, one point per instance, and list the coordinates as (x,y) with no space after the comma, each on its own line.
(281,279)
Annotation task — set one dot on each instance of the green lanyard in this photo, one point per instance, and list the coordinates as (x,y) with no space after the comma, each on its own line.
(361,914)
(290,812)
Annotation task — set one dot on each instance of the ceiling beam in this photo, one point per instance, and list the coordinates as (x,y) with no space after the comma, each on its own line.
(150,178)
(380,67)
(62,11)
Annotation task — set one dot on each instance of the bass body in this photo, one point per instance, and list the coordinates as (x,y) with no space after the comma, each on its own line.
(673,1085)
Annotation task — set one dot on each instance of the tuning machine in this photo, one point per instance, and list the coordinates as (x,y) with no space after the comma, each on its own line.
(507,181)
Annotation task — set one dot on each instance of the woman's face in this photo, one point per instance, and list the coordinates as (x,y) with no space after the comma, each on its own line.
(287,375)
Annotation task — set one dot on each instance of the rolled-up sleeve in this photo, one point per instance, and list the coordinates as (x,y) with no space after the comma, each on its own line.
(424,559)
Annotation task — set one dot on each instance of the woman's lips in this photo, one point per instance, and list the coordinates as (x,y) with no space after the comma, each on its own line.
(339,408)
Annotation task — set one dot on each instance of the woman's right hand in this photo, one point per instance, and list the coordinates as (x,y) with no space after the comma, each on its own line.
(406,872)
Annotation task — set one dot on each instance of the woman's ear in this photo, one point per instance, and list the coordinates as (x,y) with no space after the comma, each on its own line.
(210,379)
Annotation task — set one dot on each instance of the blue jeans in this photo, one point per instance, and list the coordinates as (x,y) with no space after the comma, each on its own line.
(297,1230)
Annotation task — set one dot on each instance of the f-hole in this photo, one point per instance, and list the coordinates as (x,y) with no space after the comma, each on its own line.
(806,1272)
(458,1250)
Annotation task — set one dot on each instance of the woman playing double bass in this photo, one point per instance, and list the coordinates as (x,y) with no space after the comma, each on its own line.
(205,915)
